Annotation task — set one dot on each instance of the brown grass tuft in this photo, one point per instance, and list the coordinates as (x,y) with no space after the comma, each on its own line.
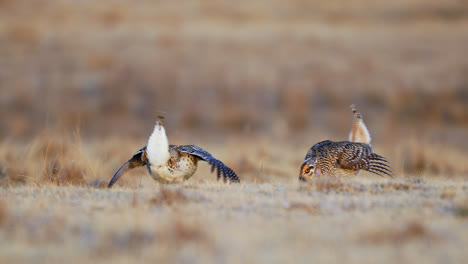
(23,33)
(397,186)
(337,185)
(412,230)
(328,185)
(309,208)
(187,232)
(3,175)
(421,158)
(244,165)
(332,185)
(3,214)
(448,193)
(16,176)
(98,183)
(168,196)
(461,208)
(112,17)
(69,174)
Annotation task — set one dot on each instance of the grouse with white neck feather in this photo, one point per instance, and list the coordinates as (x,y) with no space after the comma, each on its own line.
(172,163)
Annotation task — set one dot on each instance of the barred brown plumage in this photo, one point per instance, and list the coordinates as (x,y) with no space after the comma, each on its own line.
(172,163)
(345,158)
(342,159)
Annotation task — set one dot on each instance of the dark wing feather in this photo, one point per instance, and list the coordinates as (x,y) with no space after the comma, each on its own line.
(318,149)
(379,165)
(137,160)
(359,156)
(221,169)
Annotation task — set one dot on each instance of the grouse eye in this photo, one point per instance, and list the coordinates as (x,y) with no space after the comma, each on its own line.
(307,169)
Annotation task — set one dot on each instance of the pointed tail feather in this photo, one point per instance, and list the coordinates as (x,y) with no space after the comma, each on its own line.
(379,165)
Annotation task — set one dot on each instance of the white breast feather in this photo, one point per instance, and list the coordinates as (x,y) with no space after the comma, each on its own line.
(158,146)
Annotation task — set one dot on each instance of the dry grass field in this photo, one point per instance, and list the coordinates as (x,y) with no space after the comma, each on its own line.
(362,221)
(58,210)
(256,83)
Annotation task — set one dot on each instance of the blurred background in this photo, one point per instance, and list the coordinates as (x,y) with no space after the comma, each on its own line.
(262,76)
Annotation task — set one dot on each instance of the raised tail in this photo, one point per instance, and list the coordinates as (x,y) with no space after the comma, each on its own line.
(359,132)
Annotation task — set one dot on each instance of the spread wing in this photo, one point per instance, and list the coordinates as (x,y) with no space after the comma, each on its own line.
(357,156)
(137,160)
(221,169)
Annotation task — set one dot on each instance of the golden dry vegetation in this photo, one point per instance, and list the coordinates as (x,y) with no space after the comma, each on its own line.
(256,83)
(386,221)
